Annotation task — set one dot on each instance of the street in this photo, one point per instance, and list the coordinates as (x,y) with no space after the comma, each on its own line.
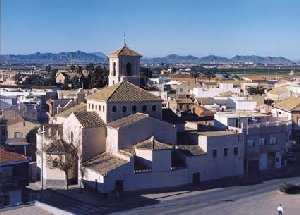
(256,199)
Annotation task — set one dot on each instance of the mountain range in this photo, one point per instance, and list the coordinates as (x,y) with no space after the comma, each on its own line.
(213,59)
(80,57)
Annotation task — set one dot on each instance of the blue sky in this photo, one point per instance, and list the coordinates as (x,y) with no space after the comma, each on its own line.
(153,27)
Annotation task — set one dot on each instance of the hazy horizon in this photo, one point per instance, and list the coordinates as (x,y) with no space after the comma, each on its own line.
(153,28)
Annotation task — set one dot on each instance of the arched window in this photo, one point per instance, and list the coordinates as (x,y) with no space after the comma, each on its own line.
(114,109)
(92,106)
(99,107)
(114,69)
(124,109)
(144,108)
(128,69)
(153,108)
(133,109)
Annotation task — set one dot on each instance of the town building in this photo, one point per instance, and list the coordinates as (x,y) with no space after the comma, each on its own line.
(14,177)
(266,138)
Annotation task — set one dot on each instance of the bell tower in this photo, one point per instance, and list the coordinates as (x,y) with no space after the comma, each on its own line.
(124,64)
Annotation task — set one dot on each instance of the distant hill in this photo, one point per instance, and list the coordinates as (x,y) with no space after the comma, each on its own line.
(80,57)
(77,57)
(261,60)
(213,59)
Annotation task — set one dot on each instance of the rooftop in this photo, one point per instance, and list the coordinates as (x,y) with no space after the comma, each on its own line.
(7,157)
(125,51)
(190,150)
(123,92)
(288,104)
(217,133)
(125,121)
(17,142)
(241,114)
(152,144)
(89,119)
(77,108)
(104,163)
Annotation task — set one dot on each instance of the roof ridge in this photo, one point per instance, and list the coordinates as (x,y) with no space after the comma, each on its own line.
(117,86)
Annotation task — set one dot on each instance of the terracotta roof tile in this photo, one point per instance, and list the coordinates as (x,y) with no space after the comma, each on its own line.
(125,51)
(123,92)
(190,150)
(288,104)
(6,156)
(104,163)
(76,108)
(153,144)
(89,119)
(125,121)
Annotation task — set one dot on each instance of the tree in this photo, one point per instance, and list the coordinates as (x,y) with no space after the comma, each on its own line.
(256,90)
(63,156)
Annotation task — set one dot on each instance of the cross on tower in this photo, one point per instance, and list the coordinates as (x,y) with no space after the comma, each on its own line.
(124,38)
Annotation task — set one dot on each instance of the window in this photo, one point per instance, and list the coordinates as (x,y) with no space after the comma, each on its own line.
(144,108)
(250,143)
(124,108)
(114,109)
(18,134)
(99,107)
(262,141)
(273,141)
(114,69)
(215,153)
(92,106)
(153,108)
(225,152)
(89,106)
(128,69)
(235,151)
(133,109)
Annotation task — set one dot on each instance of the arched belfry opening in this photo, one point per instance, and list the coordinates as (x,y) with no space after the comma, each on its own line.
(114,69)
(128,69)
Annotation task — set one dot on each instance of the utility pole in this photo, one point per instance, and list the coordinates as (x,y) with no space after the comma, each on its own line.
(42,154)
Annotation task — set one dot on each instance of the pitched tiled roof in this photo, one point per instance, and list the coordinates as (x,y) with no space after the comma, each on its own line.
(89,119)
(288,104)
(125,51)
(123,92)
(190,150)
(133,118)
(104,163)
(77,108)
(152,144)
(278,90)
(6,157)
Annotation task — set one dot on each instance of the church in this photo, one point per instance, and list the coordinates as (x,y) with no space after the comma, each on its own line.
(123,143)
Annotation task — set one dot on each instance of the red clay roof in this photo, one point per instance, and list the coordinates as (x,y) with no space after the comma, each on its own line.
(125,51)
(6,156)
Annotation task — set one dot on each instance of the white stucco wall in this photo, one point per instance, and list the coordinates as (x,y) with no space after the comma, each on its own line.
(140,131)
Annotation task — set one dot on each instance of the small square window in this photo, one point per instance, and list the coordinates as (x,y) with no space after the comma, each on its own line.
(144,108)
(225,152)
(235,150)
(215,153)
(153,108)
